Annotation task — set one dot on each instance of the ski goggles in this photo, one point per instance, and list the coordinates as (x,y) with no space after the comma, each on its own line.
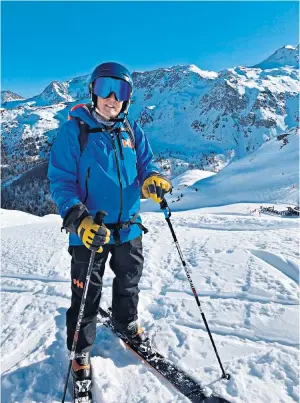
(104,86)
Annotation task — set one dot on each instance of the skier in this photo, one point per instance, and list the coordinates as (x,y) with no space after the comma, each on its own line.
(108,172)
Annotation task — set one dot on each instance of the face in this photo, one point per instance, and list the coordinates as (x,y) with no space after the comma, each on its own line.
(109,107)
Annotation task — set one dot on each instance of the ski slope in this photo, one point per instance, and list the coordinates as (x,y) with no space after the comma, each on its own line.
(244,267)
(268,175)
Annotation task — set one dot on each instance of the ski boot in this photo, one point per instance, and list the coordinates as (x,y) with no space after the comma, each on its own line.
(82,378)
(134,334)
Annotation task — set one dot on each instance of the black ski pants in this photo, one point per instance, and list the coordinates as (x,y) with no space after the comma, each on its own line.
(126,262)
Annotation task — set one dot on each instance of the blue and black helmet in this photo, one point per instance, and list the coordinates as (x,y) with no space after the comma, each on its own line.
(113,70)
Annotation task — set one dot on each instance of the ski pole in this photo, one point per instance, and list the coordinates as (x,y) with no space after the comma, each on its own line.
(98,220)
(167,212)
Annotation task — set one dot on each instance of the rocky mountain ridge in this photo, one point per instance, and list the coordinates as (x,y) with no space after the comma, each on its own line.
(8,96)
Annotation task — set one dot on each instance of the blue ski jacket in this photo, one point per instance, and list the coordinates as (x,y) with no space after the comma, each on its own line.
(108,175)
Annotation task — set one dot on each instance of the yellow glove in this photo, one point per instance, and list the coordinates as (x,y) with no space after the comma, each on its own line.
(93,235)
(155,187)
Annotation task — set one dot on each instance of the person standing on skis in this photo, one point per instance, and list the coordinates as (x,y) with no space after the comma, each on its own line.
(104,170)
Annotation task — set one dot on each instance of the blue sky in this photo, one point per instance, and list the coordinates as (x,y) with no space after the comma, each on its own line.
(46,41)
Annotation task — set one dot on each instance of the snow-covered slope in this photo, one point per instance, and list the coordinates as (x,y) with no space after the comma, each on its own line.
(244,267)
(270,175)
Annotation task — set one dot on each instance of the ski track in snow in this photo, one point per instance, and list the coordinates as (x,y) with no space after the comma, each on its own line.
(246,272)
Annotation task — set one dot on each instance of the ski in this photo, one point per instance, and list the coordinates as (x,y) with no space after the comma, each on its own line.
(165,368)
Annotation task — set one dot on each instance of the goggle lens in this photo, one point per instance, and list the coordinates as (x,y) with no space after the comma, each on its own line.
(104,86)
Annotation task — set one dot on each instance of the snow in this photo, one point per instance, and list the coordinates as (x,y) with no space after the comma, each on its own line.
(270,174)
(245,268)
(190,177)
(203,73)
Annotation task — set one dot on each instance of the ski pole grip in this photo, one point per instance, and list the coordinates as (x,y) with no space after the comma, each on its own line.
(100,217)
(165,208)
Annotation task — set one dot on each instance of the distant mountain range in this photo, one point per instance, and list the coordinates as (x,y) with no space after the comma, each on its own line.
(194,118)
(7,96)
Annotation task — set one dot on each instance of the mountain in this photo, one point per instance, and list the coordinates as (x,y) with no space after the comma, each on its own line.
(286,56)
(68,91)
(194,119)
(7,96)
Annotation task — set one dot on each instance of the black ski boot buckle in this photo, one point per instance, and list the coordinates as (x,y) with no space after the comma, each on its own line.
(83,386)
(144,347)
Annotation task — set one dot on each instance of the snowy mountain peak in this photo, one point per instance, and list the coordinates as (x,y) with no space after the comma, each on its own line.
(203,73)
(7,96)
(177,76)
(288,55)
(192,68)
(64,91)
(55,92)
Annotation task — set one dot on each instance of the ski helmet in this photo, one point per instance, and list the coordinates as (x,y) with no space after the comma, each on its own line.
(114,70)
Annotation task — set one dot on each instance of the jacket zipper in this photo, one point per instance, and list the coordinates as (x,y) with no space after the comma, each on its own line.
(119,176)
(86,184)
(120,146)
